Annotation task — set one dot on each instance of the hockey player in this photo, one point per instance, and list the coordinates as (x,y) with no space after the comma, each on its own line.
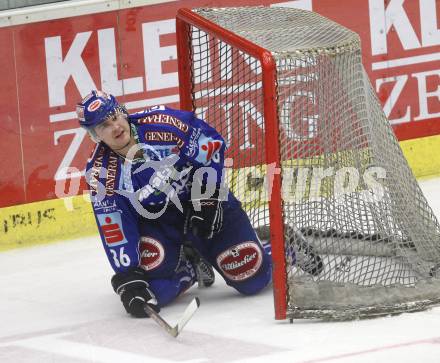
(162,211)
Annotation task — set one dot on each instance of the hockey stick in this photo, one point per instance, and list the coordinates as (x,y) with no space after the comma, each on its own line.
(187,315)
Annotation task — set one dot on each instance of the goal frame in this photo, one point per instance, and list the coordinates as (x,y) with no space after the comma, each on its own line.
(186,18)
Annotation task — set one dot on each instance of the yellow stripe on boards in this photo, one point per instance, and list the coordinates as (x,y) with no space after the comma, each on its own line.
(44,222)
(423,155)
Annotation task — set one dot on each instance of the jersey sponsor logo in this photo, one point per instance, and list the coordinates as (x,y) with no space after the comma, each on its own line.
(241,261)
(161,118)
(160,152)
(96,168)
(127,183)
(94,105)
(209,150)
(111,228)
(105,206)
(152,253)
(163,137)
(192,143)
(112,169)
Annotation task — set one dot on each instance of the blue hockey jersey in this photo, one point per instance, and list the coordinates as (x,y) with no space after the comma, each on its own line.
(174,144)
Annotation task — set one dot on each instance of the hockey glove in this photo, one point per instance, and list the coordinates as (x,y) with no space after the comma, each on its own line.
(133,288)
(207,220)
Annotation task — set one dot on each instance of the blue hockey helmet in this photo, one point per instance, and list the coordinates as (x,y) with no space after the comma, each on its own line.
(96,107)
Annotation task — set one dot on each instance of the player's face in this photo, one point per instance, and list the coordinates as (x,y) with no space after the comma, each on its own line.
(114,131)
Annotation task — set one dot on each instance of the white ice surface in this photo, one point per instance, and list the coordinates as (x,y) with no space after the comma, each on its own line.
(57,305)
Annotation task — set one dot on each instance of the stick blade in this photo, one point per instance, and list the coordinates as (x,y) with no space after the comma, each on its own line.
(187,314)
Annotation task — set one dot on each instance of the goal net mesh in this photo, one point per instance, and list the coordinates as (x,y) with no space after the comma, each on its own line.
(348,195)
